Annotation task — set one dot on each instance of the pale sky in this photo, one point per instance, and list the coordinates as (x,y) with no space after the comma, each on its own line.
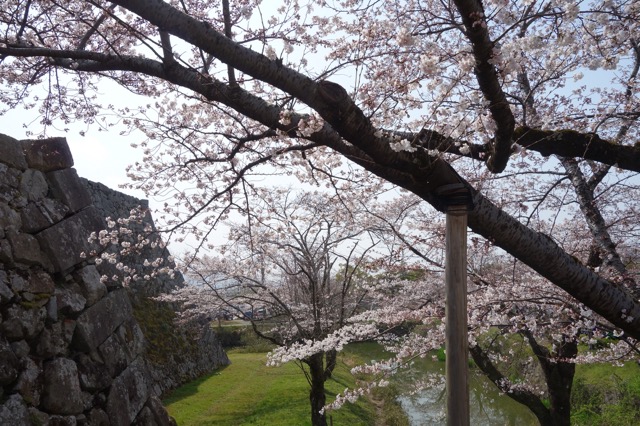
(100,156)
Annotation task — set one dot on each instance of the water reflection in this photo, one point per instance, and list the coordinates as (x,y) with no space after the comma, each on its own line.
(487,406)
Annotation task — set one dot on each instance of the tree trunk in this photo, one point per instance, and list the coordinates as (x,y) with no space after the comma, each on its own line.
(559,377)
(317,397)
(559,385)
(330,358)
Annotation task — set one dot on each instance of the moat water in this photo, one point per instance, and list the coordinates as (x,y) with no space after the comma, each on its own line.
(487,406)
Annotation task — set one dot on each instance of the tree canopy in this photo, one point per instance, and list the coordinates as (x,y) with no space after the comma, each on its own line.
(532,105)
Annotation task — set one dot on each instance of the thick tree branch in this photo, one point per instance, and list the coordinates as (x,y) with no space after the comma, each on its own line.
(476,30)
(592,215)
(562,142)
(328,99)
(82,44)
(227,32)
(569,143)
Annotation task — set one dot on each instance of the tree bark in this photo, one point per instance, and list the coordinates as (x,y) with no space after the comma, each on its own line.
(593,216)
(476,30)
(330,363)
(558,376)
(317,397)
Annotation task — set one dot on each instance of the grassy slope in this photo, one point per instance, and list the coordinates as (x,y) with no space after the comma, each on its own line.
(249,393)
(606,395)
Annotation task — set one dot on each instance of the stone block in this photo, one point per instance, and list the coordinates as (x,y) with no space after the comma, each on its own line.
(66,240)
(21,348)
(99,321)
(145,418)
(94,375)
(11,152)
(32,219)
(9,363)
(67,187)
(69,302)
(128,394)
(23,322)
(40,282)
(14,411)
(98,417)
(37,417)
(25,248)
(61,392)
(33,185)
(9,218)
(5,292)
(154,414)
(18,282)
(90,285)
(56,420)
(53,341)
(6,257)
(40,215)
(30,383)
(11,328)
(114,354)
(47,154)
(9,179)
(131,335)
(52,309)
(123,346)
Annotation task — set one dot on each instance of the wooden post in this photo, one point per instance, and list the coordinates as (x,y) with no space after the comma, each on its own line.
(456,344)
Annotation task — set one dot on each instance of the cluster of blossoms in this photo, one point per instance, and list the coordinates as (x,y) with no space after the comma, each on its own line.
(310,125)
(335,341)
(123,249)
(307,124)
(285,117)
(352,395)
(402,145)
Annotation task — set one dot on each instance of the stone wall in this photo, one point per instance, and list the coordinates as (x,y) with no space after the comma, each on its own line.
(71,349)
(178,355)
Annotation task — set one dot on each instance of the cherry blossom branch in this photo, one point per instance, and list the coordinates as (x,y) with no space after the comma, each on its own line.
(569,143)
(476,30)
(594,219)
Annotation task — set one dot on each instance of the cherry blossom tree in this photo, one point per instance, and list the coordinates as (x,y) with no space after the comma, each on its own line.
(506,299)
(530,105)
(292,271)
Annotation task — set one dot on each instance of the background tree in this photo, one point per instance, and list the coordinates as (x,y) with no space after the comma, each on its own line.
(291,270)
(506,299)
(429,85)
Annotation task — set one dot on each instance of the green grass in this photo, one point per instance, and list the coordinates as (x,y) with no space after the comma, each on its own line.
(247,392)
(606,395)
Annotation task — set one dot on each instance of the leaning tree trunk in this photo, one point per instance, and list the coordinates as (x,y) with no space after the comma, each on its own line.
(317,396)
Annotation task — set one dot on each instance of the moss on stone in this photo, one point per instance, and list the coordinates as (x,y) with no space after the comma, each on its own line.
(164,339)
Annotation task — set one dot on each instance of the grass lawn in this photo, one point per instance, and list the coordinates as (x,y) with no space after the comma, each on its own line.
(606,395)
(247,392)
